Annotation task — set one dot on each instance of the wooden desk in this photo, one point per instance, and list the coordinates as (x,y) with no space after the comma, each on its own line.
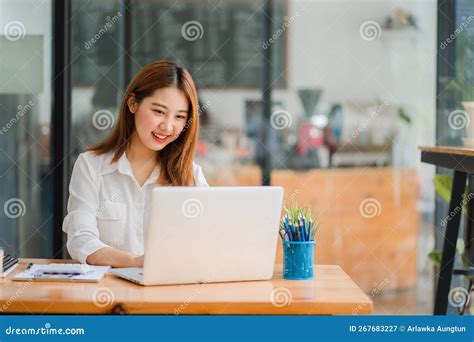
(461,160)
(331,292)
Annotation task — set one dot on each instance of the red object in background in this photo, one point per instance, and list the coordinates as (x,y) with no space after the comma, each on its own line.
(202,148)
(309,136)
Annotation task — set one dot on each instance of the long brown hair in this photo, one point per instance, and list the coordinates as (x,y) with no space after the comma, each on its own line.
(176,159)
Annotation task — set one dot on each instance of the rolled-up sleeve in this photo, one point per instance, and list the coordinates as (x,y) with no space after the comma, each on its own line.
(80,223)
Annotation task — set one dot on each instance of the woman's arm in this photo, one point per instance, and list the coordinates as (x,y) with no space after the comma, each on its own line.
(80,224)
(109,256)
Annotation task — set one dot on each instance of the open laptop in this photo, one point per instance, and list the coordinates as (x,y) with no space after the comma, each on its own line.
(204,235)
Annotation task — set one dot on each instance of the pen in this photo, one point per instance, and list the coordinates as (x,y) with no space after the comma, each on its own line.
(303,237)
(296,235)
(282,234)
(308,232)
(283,227)
(292,230)
(59,273)
(304,228)
(287,228)
(54,276)
(298,229)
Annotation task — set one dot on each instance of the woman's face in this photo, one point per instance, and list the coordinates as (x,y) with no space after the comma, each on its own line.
(160,118)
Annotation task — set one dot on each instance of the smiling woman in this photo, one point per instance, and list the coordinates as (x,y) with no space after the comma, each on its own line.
(154,103)
(152,144)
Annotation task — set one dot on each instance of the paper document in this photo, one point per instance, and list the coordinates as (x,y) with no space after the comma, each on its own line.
(35,273)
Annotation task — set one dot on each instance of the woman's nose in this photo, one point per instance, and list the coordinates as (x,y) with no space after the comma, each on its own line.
(166,125)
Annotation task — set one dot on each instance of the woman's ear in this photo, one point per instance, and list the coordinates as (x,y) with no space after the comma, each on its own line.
(132,103)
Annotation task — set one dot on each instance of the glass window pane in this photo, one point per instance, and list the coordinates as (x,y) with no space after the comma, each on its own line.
(360,99)
(25,114)
(220,43)
(96,70)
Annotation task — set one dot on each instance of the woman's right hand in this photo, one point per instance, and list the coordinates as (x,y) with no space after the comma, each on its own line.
(109,256)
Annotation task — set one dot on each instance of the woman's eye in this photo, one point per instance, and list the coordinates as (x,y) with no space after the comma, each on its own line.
(158,111)
(181,117)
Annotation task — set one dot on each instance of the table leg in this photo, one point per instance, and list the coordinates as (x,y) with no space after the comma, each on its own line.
(469,234)
(449,247)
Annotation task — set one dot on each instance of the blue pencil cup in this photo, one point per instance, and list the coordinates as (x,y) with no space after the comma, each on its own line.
(298,260)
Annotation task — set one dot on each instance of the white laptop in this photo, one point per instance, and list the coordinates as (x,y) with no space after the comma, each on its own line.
(209,234)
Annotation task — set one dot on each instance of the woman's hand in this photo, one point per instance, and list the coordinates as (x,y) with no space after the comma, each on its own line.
(109,256)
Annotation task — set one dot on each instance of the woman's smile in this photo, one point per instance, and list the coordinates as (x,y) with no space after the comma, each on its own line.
(161,138)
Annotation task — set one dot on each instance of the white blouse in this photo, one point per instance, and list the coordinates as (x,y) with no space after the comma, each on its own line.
(107,206)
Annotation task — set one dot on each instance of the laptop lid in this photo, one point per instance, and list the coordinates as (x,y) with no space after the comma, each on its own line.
(211,234)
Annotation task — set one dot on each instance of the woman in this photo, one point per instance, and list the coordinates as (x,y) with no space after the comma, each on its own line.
(152,144)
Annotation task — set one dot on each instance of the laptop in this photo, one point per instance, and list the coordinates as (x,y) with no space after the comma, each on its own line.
(209,234)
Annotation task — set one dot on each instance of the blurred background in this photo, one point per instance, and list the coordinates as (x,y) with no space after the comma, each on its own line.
(329,99)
